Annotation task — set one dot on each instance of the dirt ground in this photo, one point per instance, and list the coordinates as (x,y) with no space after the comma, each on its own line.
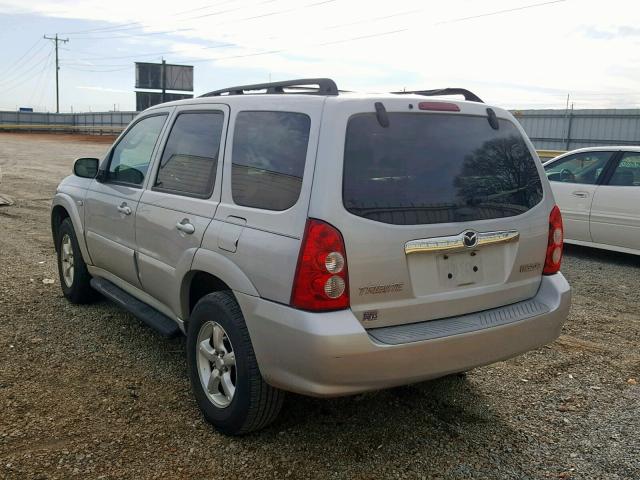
(90,392)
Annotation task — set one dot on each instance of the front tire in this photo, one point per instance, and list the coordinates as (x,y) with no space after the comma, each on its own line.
(72,270)
(223,369)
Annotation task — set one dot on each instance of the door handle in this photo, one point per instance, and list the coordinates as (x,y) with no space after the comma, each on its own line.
(124,208)
(580,194)
(185,226)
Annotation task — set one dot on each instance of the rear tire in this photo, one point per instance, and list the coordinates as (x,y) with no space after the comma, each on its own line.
(223,369)
(72,270)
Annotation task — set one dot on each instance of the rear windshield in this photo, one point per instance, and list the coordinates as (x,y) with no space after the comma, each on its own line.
(436,168)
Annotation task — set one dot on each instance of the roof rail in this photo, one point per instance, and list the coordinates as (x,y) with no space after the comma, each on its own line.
(470,96)
(307,86)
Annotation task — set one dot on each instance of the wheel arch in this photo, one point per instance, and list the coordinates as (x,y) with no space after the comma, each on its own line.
(197,284)
(211,272)
(58,214)
(63,207)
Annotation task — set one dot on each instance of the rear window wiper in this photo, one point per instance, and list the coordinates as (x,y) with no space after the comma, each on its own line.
(381,115)
(493,119)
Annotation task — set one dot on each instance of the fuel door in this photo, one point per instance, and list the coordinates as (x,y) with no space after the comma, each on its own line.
(230,233)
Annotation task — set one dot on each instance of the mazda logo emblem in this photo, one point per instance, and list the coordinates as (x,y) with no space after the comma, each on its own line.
(470,239)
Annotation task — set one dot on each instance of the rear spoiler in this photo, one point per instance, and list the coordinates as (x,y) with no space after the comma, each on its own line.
(470,96)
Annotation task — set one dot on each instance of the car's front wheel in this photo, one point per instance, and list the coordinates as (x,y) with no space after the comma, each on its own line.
(224,373)
(72,270)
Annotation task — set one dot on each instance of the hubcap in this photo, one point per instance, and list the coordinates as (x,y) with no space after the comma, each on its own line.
(66,260)
(216,364)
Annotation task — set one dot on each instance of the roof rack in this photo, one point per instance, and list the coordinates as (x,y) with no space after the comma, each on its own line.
(307,86)
(470,96)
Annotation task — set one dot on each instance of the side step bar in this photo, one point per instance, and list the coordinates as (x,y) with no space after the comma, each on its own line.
(153,318)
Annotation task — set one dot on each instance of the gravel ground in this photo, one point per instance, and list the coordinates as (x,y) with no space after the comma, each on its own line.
(90,392)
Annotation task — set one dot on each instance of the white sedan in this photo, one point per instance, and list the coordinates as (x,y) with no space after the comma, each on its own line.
(598,192)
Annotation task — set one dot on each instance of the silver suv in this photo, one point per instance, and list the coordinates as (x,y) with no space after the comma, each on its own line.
(320,242)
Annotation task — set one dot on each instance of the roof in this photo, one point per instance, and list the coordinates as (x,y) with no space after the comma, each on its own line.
(601,148)
(321,89)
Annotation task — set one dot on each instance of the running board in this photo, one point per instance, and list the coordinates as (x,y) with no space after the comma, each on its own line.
(153,318)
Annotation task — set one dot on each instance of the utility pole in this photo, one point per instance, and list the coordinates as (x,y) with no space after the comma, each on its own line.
(163,79)
(57,40)
(569,128)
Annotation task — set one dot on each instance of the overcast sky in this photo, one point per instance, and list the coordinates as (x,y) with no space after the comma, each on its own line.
(512,53)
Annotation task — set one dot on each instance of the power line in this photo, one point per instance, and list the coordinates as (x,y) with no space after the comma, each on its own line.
(24,55)
(143,34)
(135,25)
(38,87)
(392,32)
(100,68)
(499,12)
(272,52)
(221,12)
(103,29)
(147,54)
(128,67)
(90,65)
(41,98)
(131,25)
(23,77)
(10,76)
(28,80)
(207,15)
(368,36)
(317,3)
(205,7)
(374,19)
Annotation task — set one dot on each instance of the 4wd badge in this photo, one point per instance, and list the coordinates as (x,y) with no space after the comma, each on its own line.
(370,316)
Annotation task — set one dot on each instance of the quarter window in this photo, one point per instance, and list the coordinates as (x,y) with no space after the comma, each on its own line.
(584,168)
(269,153)
(627,173)
(190,158)
(131,156)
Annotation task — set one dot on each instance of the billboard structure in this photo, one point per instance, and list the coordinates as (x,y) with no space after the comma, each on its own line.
(160,77)
(145,100)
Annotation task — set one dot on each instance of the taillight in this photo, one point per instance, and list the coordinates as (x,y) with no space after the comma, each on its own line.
(554,244)
(321,281)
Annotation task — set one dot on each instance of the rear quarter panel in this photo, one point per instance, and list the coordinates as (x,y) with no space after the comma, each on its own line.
(269,241)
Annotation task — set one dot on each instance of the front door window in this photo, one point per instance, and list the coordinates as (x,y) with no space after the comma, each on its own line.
(131,156)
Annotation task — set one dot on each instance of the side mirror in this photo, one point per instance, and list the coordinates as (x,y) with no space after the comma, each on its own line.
(86,167)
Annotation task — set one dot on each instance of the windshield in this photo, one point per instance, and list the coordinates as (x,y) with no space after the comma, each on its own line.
(437,168)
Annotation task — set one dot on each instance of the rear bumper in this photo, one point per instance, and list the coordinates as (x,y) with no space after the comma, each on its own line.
(331,354)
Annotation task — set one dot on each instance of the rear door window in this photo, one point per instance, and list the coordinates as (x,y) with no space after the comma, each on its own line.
(190,157)
(437,168)
(627,173)
(269,153)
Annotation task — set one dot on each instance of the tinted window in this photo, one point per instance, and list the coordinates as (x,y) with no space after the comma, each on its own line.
(584,168)
(627,173)
(269,152)
(190,158)
(131,156)
(437,168)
